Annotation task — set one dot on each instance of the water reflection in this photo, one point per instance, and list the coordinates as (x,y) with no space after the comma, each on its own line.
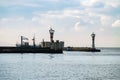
(21,56)
(67,66)
(51,56)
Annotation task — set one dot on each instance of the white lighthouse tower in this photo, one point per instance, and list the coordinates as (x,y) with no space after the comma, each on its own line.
(93,40)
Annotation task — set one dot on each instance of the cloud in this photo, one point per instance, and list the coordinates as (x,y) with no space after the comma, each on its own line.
(67,18)
(30,5)
(15,19)
(92,3)
(113,3)
(102,29)
(100,3)
(19,3)
(105,20)
(29,16)
(17,23)
(116,23)
(62,13)
(76,19)
(79,27)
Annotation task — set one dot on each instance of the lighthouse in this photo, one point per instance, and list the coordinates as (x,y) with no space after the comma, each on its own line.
(93,40)
(51,31)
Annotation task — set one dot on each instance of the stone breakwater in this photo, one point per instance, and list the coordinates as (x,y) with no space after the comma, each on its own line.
(87,49)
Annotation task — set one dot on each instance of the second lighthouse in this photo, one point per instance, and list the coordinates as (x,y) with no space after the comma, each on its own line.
(93,40)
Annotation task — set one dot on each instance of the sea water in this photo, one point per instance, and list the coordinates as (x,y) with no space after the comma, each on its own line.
(104,65)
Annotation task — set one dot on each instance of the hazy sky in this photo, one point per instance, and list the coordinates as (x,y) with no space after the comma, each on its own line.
(72,20)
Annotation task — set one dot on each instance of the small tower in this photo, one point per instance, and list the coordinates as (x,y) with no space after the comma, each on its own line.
(21,40)
(33,40)
(93,40)
(51,31)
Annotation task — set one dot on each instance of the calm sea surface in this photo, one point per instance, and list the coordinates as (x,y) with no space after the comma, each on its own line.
(104,65)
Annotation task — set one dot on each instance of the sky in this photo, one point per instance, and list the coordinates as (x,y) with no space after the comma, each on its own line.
(72,20)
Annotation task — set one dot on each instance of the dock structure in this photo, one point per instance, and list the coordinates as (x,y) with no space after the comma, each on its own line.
(24,42)
(58,45)
(45,46)
(87,49)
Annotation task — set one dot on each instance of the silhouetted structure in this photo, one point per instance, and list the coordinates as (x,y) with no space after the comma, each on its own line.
(34,40)
(51,31)
(23,42)
(88,49)
(58,45)
(44,47)
(93,40)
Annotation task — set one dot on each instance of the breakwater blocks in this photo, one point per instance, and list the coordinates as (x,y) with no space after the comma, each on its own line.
(86,49)
(28,50)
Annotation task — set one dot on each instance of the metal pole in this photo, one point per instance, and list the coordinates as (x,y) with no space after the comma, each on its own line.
(21,40)
(34,40)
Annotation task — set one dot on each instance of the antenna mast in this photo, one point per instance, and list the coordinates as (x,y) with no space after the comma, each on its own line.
(33,40)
